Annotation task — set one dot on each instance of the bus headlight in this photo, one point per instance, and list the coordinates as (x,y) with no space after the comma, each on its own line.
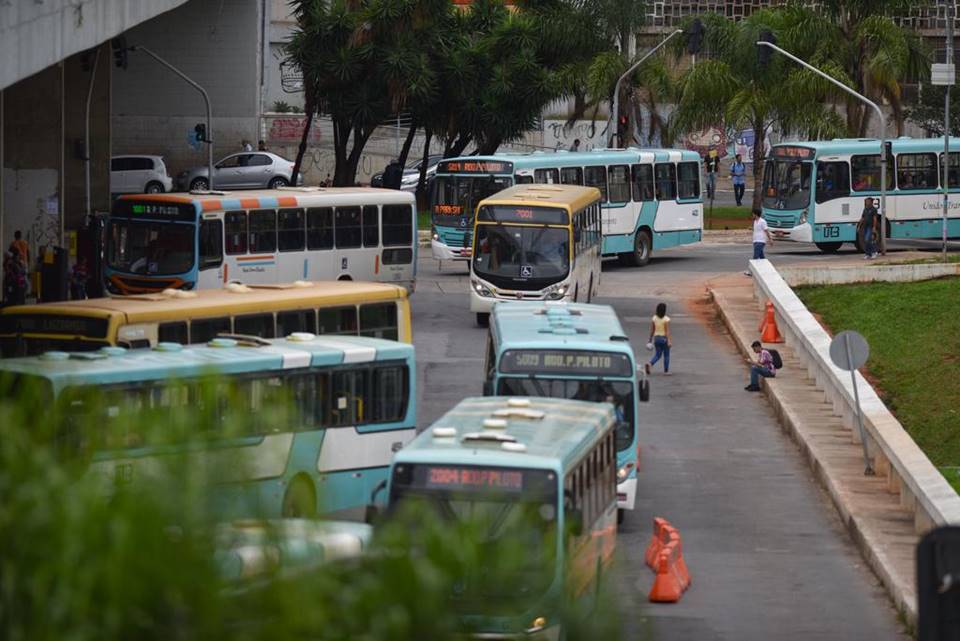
(434,234)
(537,624)
(803,217)
(624,472)
(556,292)
(481,289)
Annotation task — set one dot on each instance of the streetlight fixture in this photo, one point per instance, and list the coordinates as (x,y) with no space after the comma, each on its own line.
(767,40)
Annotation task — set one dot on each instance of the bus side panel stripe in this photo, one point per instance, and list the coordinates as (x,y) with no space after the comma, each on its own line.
(346,449)
(286,201)
(249,203)
(352,353)
(212,205)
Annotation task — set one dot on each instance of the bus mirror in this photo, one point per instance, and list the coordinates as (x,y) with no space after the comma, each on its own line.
(372,514)
(644,390)
(382,485)
(488,388)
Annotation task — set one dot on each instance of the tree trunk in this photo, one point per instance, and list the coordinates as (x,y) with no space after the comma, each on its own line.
(422,195)
(489,147)
(456,146)
(407,142)
(759,137)
(310,109)
(341,138)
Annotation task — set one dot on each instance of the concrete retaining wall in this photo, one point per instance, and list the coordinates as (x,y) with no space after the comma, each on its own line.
(921,487)
(797,276)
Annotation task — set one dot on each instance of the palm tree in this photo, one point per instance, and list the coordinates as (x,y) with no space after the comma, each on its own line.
(733,87)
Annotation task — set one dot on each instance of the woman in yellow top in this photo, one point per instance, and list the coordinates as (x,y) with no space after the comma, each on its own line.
(660,337)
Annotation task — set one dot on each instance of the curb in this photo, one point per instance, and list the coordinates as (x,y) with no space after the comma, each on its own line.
(901,589)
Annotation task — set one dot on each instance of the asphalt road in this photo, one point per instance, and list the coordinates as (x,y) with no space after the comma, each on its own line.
(768,555)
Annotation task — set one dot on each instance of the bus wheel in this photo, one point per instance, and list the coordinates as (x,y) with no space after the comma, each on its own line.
(483,319)
(642,246)
(299,502)
(620,514)
(829,248)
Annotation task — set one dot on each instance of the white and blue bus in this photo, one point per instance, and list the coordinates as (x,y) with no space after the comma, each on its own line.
(813,192)
(650,198)
(581,352)
(532,476)
(348,403)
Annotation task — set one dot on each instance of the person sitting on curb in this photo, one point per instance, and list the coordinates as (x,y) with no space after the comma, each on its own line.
(764,367)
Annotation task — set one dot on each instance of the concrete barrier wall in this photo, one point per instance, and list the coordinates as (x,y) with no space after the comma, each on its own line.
(797,276)
(921,487)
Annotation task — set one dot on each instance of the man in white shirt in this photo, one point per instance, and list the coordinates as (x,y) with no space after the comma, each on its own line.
(761,235)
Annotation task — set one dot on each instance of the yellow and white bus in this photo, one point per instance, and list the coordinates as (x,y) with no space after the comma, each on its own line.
(377,310)
(536,242)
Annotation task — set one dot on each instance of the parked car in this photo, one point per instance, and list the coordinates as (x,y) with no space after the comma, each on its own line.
(244,170)
(411,173)
(139,175)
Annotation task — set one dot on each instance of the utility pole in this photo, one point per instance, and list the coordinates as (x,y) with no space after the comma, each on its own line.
(948,61)
(767,40)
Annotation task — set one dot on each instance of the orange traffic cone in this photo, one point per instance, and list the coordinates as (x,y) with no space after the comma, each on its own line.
(769,332)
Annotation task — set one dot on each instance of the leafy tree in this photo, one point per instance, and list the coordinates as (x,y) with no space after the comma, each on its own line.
(927,113)
(733,88)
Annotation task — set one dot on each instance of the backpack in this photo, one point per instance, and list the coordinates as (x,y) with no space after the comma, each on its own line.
(777,361)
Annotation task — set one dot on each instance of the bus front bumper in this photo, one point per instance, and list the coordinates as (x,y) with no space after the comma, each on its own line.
(483,296)
(441,251)
(551,633)
(799,234)
(627,494)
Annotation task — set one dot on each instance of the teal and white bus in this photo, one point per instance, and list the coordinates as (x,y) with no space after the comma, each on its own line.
(813,192)
(349,404)
(581,352)
(651,198)
(538,474)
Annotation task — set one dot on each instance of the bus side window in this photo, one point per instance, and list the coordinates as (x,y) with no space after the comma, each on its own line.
(491,360)
(397,225)
(688,181)
(347,227)
(301,320)
(833,181)
(387,396)
(371,226)
(571,176)
(596,177)
(619,179)
(211,243)
(337,320)
(379,320)
(320,228)
(917,172)
(291,234)
(236,226)
(206,329)
(642,183)
(666,174)
(953,175)
(263,230)
(254,325)
(523,180)
(348,391)
(546,176)
(175,332)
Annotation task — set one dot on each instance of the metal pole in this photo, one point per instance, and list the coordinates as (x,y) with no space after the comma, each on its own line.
(615,110)
(206,100)
(883,136)
(86,132)
(868,469)
(946,129)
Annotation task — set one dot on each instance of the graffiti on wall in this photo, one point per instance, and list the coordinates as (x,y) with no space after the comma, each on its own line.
(702,141)
(590,133)
(289,129)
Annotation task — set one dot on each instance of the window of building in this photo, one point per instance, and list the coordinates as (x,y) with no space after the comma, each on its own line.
(666,181)
(263,231)
(320,228)
(236,237)
(347,229)
(688,180)
(642,183)
(371,226)
(596,177)
(397,225)
(917,172)
(619,181)
(571,176)
(291,234)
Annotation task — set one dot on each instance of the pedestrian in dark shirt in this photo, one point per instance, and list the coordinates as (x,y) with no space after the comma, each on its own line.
(712,167)
(870,227)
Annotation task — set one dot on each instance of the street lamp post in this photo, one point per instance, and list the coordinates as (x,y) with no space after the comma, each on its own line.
(206,100)
(883,135)
(948,62)
(614,112)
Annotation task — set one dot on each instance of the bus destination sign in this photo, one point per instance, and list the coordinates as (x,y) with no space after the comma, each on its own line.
(568,362)
(448,210)
(54,324)
(792,151)
(155,211)
(457,478)
(517,214)
(475,167)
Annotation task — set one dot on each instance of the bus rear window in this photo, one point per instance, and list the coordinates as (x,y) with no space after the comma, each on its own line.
(337,320)
(379,321)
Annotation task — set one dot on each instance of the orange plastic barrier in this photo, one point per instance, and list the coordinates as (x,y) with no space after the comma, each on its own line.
(664,555)
(769,332)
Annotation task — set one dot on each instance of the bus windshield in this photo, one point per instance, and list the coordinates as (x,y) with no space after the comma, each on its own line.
(456,197)
(786,184)
(151,247)
(619,393)
(512,514)
(512,255)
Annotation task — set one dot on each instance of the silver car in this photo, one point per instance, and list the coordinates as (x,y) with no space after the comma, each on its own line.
(244,170)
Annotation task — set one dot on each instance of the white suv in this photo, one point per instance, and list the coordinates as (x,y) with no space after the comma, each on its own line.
(139,175)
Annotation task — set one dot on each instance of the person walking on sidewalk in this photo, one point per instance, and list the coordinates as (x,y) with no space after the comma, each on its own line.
(761,235)
(764,367)
(712,165)
(870,224)
(738,173)
(660,337)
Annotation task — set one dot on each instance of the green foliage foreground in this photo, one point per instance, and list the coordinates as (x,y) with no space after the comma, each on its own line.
(83,559)
(914,335)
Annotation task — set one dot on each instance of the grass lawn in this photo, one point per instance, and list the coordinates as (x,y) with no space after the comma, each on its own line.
(914,335)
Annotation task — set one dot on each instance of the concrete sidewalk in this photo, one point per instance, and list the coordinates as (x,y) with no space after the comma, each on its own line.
(881,528)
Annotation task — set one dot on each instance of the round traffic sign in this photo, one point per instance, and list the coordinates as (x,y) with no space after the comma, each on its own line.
(849,350)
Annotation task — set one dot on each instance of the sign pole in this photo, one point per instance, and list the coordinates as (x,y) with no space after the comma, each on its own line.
(948,60)
(868,471)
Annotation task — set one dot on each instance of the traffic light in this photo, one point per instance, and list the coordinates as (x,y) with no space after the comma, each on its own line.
(119,45)
(764,53)
(201,132)
(695,37)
